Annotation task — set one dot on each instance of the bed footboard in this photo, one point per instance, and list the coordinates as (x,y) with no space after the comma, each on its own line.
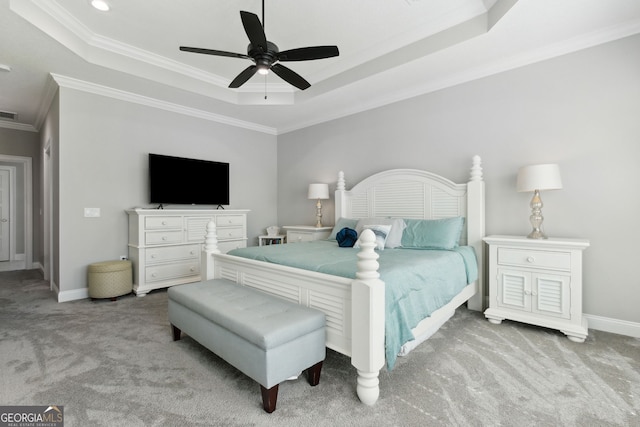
(360,337)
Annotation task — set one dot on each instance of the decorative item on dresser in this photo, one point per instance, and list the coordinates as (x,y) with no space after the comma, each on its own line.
(306,233)
(535,178)
(318,192)
(165,245)
(537,282)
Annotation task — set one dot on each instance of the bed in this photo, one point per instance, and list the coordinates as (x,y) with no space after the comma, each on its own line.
(355,306)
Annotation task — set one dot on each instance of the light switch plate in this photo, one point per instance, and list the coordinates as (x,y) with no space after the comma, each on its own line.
(91,212)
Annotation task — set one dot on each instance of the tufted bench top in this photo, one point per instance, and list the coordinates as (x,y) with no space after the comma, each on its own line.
(265,320)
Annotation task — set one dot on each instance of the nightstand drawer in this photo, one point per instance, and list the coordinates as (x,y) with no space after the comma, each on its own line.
(534,259)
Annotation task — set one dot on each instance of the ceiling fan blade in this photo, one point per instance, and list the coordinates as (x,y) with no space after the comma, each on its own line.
(290,76)
(254,30)
(214,52)
(243,76)
(308,53)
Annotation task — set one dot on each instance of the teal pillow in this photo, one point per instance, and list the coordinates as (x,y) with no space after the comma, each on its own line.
(340,224)
(432,233)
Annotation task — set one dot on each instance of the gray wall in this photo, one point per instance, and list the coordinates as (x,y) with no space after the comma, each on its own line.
(581,110)
(103,151)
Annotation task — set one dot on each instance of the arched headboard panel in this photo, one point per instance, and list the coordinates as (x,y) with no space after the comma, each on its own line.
(411,193)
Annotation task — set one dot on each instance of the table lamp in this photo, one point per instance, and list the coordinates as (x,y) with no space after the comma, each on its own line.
(535,178)
(318,192)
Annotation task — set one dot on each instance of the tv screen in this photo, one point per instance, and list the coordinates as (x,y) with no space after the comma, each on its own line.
(182,181)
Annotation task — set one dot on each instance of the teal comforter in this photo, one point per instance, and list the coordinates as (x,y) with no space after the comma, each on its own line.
(417,282)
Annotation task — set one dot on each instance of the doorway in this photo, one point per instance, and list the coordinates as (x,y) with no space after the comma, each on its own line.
(20,200)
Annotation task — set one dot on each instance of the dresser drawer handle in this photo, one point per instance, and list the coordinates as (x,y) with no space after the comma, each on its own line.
(531,259)
(164,222)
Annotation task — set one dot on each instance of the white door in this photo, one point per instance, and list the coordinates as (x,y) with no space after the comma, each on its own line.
(5,209)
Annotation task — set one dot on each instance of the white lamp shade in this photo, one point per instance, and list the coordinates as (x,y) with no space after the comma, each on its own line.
(318,191)
(539,177)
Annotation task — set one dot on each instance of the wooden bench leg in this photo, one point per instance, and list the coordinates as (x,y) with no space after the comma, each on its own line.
(269,398)
(176,333)
(313,373)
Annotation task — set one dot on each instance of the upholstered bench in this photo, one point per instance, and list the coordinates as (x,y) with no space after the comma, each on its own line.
(267,338)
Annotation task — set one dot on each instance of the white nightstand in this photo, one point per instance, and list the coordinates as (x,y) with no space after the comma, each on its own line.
(306,233)
(271,240)
(537,282)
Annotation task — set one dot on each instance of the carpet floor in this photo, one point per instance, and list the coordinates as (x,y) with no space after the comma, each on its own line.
(115,364)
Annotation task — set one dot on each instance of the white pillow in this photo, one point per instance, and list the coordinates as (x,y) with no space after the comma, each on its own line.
(381,231)
(394,239)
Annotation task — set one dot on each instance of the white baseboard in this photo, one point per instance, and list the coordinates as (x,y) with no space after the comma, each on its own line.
(615,326)
(73,294)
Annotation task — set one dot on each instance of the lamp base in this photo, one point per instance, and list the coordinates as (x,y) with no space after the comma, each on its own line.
(536,234)
(318,214)
(536,217)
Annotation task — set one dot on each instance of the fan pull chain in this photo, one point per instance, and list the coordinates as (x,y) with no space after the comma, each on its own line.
(265,86)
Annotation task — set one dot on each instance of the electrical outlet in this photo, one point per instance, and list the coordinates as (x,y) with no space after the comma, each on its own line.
(123,258)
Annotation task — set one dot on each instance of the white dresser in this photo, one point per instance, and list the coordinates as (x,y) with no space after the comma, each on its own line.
(537,282)
(165,245)
(306,233)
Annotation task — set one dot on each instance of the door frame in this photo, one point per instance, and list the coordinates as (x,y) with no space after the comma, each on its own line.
(27,168)
(11,211)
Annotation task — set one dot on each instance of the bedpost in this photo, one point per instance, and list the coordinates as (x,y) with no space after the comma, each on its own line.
(339,201)
(367,328)
(475,227)
(210,247)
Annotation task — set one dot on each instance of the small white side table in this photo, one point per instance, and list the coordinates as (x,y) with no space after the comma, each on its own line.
(271,240)
(306,233)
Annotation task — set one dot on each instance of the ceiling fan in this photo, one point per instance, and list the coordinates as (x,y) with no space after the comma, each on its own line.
(266,55)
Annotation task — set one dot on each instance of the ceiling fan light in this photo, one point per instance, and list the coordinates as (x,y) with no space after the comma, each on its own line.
(263,70)
(101,5)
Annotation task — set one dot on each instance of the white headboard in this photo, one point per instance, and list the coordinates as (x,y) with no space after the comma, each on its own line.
(410,193)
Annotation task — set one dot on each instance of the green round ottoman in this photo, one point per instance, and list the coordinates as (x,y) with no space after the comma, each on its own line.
(110,279)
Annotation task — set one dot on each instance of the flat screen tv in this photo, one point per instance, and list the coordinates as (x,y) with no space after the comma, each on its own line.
(182,181)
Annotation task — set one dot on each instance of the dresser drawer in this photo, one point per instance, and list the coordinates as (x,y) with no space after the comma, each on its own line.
(534,259)
(230,233)
(162,237)
(162,222)
(158,273)
(172,253)
(231,220)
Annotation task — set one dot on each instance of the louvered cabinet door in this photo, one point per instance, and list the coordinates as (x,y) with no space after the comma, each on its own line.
(537,282)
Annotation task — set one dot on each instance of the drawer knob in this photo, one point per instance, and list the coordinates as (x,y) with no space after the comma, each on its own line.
(153,256)
(164,222)
(531,259)
(164,237)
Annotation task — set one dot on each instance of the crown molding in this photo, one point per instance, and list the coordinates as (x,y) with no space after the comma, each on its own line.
(17,126)
(96,89)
